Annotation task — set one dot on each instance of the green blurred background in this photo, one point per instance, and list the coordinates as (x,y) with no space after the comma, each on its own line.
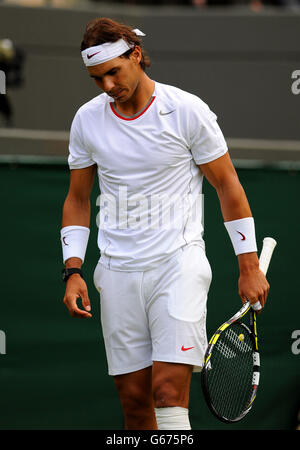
(54,373)
(241,62)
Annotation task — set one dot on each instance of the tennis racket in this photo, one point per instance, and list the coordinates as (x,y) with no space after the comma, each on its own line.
(231,364)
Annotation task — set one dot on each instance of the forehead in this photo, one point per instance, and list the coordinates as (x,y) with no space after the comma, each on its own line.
(101,69)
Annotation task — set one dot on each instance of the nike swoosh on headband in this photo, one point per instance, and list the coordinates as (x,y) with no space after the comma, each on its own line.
(109,50)
(90,56)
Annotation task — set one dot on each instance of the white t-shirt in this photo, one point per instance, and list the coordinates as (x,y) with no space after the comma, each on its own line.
(151,187)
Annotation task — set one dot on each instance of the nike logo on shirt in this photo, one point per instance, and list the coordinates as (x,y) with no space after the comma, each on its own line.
(185,349)
(165,113)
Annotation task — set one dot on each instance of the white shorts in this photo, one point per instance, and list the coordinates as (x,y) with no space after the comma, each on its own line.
(156,315)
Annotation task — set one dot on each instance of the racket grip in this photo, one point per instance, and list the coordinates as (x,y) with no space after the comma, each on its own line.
(264,260)
(266,254)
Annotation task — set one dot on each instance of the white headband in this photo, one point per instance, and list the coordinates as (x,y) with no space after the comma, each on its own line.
(104,52)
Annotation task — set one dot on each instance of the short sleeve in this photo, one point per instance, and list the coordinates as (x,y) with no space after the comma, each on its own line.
(207,142)
(79,154)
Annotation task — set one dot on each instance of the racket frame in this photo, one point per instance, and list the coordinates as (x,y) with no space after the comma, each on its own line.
(269,245)
(252,331)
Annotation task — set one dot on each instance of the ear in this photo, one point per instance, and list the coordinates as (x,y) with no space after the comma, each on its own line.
(137,54)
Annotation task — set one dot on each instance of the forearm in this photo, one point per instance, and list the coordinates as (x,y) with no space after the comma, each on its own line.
(75,212)
(237,216)
(234,205)
(233,201)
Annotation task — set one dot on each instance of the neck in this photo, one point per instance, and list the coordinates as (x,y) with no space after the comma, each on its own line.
(139,99)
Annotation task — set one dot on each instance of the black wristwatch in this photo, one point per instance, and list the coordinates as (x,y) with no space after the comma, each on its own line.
(66,272)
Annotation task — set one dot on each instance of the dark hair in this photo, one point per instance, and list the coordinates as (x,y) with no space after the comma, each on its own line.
(101,30)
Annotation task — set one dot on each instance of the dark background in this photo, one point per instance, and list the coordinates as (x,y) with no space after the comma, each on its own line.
(54,373)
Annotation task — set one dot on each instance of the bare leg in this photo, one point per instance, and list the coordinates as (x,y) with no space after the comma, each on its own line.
(171,384)
(135,392)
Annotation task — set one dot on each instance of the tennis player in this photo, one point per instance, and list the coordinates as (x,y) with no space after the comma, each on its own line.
(150,144)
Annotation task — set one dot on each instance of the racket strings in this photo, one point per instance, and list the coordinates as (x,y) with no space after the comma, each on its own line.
(230,378)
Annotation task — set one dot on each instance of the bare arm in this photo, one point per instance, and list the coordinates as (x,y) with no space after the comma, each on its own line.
(76,211)
(234,205)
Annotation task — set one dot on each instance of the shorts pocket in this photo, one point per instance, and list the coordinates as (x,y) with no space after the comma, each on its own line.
(98,275)
(188,298)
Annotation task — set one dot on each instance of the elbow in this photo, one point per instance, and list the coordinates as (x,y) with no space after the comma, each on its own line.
(229,185)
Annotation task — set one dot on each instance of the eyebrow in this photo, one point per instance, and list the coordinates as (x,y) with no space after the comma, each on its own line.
(106,73)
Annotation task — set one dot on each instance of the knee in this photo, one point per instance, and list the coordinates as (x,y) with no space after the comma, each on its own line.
(133,399)
(165,393)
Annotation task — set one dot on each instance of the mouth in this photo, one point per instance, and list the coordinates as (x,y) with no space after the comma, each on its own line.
(117,94)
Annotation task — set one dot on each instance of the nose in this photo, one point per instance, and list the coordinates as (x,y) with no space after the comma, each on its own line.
(108,85)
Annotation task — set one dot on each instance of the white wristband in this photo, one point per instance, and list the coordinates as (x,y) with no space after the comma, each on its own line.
(242,235)
(74,240)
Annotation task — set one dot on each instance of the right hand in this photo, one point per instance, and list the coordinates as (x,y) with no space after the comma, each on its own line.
(77,288)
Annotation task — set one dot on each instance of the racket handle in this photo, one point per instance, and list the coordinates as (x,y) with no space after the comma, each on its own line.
(266,254)
(264,260)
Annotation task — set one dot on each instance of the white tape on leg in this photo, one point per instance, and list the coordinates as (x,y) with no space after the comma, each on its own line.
(172,418)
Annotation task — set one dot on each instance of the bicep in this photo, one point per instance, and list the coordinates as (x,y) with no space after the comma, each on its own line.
(220,172)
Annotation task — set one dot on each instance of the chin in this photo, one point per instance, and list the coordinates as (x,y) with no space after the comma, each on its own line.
(122,99)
